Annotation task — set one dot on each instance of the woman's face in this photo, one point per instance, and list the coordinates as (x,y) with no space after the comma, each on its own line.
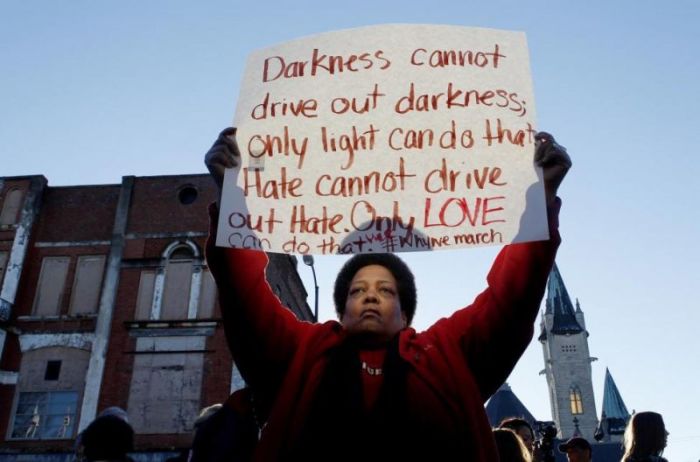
(372,306)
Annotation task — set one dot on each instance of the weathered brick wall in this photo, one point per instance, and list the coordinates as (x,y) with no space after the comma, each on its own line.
(77,213)
(157,216)
(156,206)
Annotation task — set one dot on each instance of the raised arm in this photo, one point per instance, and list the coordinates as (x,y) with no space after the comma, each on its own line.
(261,333)
(495,330)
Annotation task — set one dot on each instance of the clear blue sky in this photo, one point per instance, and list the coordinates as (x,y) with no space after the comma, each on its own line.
(91,91)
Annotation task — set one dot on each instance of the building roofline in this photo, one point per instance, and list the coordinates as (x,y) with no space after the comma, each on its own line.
(136,177)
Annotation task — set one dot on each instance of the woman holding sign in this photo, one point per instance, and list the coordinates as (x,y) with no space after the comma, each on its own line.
(369,387)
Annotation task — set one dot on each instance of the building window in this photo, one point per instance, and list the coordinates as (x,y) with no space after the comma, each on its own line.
(53,370)
(178,281)
(207,296)
(10,207)
(86,286)
(568,348)
(49,291)
(187,195)
(179,288)
(49,388)
(45,415)
(144,298)
(576,401)
(166,388)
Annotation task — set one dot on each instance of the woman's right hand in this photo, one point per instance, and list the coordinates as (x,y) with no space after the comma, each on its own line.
(223,154)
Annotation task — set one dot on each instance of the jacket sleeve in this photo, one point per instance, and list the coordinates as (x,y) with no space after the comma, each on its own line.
(495,330)
(262,334)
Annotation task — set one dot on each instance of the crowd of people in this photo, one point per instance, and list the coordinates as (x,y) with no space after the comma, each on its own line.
(644,440)
(368,386)
(222,434)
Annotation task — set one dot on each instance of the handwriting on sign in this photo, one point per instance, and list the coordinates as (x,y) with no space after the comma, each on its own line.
(302,107)
(267,145)
(386,139)
(462,58)
(447,179)
(458,211)
(276,67)
(349,143)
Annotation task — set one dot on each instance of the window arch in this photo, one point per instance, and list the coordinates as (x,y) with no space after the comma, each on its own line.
(179,288)
(575,400)
(179,264)
(10,207)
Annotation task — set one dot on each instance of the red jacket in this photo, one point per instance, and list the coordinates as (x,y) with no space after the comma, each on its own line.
(455,365)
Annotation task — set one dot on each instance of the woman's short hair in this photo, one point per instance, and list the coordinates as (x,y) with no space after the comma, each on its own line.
(645,435)
(515,424)
(206,413)
(406,285)
(510,447)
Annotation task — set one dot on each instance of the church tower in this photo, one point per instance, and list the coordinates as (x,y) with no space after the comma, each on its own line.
(567,362)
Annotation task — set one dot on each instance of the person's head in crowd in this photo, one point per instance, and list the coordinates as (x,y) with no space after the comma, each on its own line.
(201,445)
(115,411)
(522,428)
(108,438)
(577,449)
(645,436)
(226,432)
(205,413)
(510,446)
(375,296)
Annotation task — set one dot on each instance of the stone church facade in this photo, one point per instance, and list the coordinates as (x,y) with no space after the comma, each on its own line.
(567,367)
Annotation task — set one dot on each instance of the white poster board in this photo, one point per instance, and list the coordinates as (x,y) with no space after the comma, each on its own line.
(385,138)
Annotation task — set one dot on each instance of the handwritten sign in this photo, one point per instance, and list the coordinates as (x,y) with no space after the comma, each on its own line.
(385,138)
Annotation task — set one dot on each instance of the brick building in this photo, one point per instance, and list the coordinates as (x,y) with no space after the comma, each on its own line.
(106,300)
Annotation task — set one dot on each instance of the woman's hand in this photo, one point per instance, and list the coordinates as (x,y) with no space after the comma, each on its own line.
(555,163)
(223,154)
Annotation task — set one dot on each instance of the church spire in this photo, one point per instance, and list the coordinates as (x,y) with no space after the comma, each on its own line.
(559,305)
(614,409)
(614,417)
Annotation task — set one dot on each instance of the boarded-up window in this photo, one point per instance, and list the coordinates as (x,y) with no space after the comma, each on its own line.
(165,391)
(3,265)
(176,292)
(10,207)
(144,301)
(49,291)
(86,287)
(207,296)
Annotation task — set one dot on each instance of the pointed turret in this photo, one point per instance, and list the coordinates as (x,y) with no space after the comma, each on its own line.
(504,404)
(614,417)
(559,305)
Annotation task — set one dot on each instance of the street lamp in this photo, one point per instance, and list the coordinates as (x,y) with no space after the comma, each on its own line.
(309,261)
